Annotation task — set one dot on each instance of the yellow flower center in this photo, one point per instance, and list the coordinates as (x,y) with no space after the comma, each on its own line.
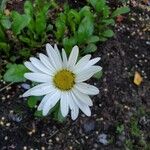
(64,80)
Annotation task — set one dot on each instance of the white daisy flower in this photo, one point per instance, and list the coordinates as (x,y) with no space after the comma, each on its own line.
(62,79)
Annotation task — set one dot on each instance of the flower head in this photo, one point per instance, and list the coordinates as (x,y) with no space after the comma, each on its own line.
(62,79)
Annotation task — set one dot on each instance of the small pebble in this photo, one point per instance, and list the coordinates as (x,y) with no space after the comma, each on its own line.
(89,125)
(102,138)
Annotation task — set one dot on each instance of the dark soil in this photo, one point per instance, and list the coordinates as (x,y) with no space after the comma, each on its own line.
(120,102)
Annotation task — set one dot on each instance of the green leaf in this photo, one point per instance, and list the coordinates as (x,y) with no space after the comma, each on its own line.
(40,24)
(98,4)
(85,29)
(60,26)
(19,22)
(68,43)
(109,21)
(98,75)
(38,114)
(28,8)
(85,11)
(25,52)
(32,101)
(90,48)
(3,5)
(121,10)
(15,73)
(92,39)
(2,34)
(5,22)
(102,39)
(108,33)
(57,113)
(5,48)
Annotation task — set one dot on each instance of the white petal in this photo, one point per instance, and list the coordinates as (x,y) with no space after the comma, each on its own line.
(64,57)
(58,53)
(82,63)
(74,108)
(73,57)
(51,102)
(38,77)
(45,60)
(84,108)
(87,88)
(45,99)
(38,64)
(31,67)
(39,90)
(64,104)
(92,62)
(88,73)
(82,97)
(54,58)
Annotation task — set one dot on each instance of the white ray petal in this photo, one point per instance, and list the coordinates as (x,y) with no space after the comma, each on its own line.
(82,63)
(38,77)
(53,56)
(45,60)
(31,67)
(73,57)
(39,65)
(64,104)
(87,88)
(84,108)
(39,90)
(64,58)
(82,97)
(51,102)
(74,108)
(88,73)
(45,99)
(92,62)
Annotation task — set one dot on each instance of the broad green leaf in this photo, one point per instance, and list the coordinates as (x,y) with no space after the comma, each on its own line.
(68,44)
(32,101)
(121,10)
(19,22)
(40,23)
(28,8)
(102,39)
(85,11)
(15,73)
(98,4)
(98,75)
(109,21)
(5,21)
(92,39)
(108,33)
(85,29)
(60,26)
(90,48)
(3,5)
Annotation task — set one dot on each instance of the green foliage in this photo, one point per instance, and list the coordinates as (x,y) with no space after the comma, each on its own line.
(32,101)
(4,25)
(15,73)
(135,131)
(87,26)
(120,129)
(32,27)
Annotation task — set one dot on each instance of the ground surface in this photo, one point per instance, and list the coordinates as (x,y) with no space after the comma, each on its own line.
(120,113)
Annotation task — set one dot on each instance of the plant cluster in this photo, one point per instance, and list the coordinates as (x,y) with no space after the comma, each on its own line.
(25,32)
